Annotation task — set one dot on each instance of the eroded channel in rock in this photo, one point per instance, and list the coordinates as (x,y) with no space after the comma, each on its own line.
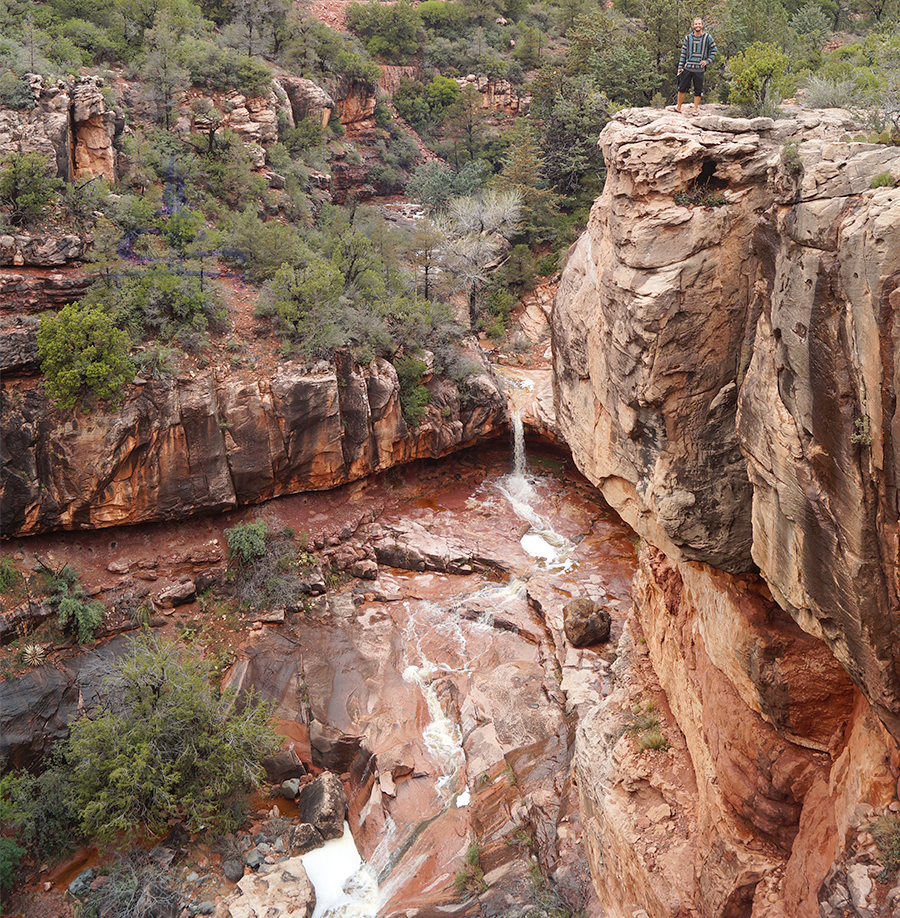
(446,696)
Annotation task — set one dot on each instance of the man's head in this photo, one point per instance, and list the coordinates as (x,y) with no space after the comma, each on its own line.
(697,26)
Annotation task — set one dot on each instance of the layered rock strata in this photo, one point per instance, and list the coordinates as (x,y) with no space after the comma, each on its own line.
(202,444)
(724,351)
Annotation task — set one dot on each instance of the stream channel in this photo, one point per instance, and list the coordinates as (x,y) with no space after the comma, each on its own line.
(457,678)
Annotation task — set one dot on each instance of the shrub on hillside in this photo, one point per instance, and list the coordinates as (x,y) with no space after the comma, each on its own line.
(268,567)
(758,78)
(391,30)
(414,397)
(15,93)
(70,599)
(163,744)
(27,186)
(82,350)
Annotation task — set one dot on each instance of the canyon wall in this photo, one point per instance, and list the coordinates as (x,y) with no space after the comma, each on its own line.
(724,352)
(204,443)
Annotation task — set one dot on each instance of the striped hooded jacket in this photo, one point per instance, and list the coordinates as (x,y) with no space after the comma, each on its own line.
(694,50)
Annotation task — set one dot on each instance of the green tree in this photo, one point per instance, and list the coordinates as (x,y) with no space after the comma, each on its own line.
(602,47)
(26,186)
(305,298)
(426,248)
(435,185)
(523,172)
(464,124)
(392,31)
(530,47)
(757,77)
(811,19)
(573,113)
(82,350)
(164,745)
(744,22)
(165,76)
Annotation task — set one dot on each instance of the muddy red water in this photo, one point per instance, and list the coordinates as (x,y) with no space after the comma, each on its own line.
(462,686)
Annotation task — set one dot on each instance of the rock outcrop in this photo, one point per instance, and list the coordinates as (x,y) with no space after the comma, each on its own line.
(725,373)
(201,444)
(499,95)
(71,124)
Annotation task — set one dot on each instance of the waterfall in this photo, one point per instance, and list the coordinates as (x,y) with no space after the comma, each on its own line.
(520,464)
(541,541)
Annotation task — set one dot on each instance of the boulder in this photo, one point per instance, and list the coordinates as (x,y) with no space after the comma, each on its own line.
(283,766)
(323,804)
(333,749)
(19,350)
(304,837)
(44,251)
(586,622)
(177,595)
(280,890)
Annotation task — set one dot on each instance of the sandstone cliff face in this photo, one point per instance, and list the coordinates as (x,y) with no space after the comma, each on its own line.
(651,327)
(726,375)
(176,448)
(818,416)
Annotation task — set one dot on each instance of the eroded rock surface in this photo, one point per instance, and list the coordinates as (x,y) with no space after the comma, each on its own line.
(179,447)
(726,375)
(651,326)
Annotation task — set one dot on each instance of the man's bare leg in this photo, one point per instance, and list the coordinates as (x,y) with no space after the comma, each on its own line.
(696,104)
(680,102)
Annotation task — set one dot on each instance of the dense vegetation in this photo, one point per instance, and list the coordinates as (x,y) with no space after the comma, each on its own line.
(333,277)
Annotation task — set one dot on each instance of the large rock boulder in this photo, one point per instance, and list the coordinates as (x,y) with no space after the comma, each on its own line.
(651,325)
(586,622)
(280,890)
(323,804)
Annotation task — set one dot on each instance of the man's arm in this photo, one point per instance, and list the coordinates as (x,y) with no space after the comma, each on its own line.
(684,53)
(711,49)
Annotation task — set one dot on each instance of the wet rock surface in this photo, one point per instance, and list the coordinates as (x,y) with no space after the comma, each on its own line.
(444,702)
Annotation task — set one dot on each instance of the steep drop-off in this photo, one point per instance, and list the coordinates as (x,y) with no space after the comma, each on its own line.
(202,444)
(726,376)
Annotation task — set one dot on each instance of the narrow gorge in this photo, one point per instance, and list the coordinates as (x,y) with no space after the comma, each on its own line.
(724,340)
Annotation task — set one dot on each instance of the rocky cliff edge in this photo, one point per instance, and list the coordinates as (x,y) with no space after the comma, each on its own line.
(724,344)
(207,442)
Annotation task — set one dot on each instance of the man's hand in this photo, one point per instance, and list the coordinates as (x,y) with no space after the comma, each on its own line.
(703,63)
(680,71)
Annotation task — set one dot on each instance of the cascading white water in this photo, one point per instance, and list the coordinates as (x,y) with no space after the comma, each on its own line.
(541,541)
(345,886)
(520,466)
(445,632)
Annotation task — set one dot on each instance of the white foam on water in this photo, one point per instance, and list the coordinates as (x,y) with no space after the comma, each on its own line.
(463,799)
(442,737)
(345,886)
(538,547)
(542,541)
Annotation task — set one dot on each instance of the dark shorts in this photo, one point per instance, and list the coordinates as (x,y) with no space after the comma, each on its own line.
(686,77)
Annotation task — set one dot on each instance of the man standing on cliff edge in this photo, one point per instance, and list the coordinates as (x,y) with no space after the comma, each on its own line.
(697,51)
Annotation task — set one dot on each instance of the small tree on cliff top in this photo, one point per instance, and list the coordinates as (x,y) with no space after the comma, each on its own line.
(165,745)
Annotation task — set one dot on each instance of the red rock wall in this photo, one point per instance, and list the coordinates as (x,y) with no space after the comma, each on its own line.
(176,448)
